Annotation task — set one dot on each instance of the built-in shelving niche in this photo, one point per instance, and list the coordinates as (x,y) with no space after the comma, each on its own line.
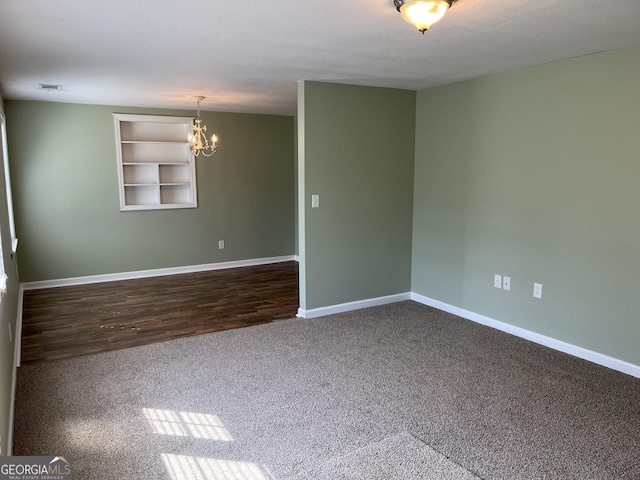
(156,168)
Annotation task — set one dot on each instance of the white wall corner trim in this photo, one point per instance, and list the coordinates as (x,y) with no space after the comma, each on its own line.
(583,353)
(347,307)
(113,277)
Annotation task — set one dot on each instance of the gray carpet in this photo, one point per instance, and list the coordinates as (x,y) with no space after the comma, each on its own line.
(399,391)
(400,456)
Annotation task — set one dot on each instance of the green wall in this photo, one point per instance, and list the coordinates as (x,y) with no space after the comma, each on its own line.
(8,315)
(534,174)
(356,150)
(63,161)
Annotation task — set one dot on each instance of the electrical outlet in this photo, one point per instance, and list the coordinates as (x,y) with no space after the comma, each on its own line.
(506,283)
(220,244)
(497,281)
(537,290)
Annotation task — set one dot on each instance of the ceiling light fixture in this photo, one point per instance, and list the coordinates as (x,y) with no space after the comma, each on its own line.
(197,139)
(422,13)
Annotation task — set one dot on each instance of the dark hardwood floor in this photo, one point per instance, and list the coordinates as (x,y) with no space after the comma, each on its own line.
(65,322)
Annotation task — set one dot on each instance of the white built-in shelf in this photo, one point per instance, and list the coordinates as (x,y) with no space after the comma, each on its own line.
(156,168)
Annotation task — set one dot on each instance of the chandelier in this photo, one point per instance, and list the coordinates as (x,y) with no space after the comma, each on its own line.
(422,13)
(198,142)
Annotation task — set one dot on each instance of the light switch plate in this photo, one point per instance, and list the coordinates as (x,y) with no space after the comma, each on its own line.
(315,201)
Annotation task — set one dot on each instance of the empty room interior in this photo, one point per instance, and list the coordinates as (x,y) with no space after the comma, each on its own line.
(312,240)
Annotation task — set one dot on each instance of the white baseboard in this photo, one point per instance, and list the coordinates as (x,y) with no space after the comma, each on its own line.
(346,307)
(113,277)
(14,374)
(595,357)
(580,352)
(12,408)
(17,352)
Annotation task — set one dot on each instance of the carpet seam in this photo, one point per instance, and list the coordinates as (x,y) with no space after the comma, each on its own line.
(475,474)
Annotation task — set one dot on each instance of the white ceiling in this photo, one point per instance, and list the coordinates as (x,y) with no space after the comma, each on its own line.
(247,55)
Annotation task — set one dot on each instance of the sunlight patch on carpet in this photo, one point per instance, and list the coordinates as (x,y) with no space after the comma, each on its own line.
(187,424)
(184,467)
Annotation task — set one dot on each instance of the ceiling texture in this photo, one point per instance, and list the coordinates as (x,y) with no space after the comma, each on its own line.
(248,55)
